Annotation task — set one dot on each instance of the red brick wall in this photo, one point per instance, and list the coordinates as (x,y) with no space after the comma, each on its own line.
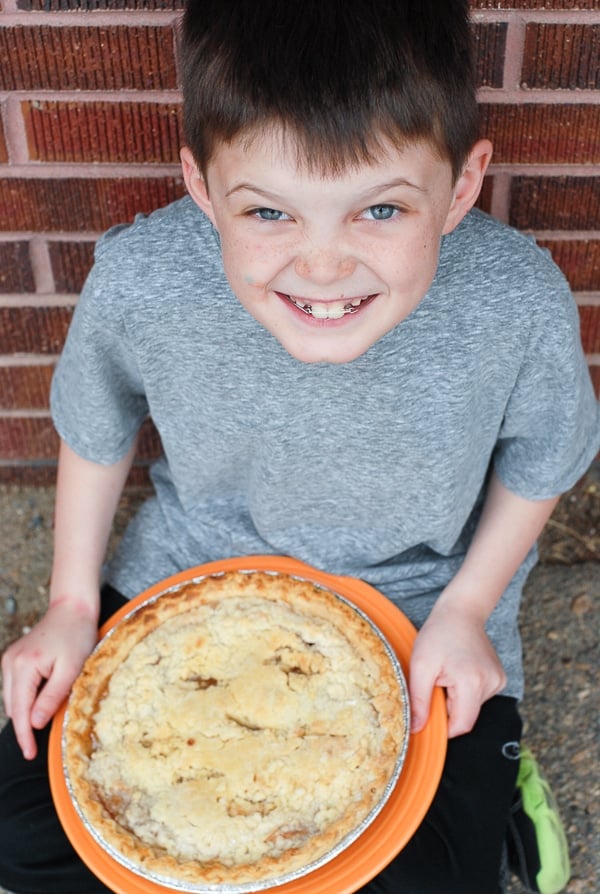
(89,135)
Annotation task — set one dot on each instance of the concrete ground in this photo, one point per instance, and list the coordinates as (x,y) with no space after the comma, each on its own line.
(561,638)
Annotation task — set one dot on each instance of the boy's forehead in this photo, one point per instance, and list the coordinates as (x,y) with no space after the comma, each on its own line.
(280,146)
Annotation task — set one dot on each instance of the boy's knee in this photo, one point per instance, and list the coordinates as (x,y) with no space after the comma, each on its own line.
(17,842)
(35,854)
(26,811)
(429,881)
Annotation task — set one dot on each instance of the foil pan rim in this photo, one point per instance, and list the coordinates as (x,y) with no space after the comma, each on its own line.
(265,884)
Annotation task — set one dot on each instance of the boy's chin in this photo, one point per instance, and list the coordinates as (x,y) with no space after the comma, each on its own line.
(335,350)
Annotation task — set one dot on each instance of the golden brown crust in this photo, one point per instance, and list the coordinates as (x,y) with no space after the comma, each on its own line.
(234,729)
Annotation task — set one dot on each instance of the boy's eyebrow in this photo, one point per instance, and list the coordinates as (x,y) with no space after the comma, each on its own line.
(397,181)
(250,187)
(379,187)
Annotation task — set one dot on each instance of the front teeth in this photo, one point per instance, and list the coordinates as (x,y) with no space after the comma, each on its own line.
(320,312)
(330,311)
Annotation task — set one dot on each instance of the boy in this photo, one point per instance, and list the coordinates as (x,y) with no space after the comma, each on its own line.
(345,364)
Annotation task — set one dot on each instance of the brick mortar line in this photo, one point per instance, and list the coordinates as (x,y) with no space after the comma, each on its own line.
(118,171)
(108,171)
(500,202)
(587,299)
(37,170)
(47,297)
(514,53)
(537,96)
(92,237)
(157,97)
(545,170)
(11,15)
(37,299)
(14,132)
(93,18)
(564,235)
(24,360)
(51,299)
(41,265)
(25,414)
(62,236)
(526,97)
(489,95)
(537,16)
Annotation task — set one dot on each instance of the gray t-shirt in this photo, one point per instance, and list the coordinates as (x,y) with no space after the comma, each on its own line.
(375,468)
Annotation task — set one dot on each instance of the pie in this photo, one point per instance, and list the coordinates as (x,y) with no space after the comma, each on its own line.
(235,730)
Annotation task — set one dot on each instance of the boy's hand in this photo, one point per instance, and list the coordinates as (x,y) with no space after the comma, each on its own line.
(40,668)
(452,650)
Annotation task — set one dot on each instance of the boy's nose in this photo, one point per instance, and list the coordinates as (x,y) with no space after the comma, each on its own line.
(323,267)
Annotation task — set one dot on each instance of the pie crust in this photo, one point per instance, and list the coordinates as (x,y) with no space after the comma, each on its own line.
(236,730)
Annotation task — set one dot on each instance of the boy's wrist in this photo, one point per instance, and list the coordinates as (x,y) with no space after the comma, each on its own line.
(84,606)
(475,601)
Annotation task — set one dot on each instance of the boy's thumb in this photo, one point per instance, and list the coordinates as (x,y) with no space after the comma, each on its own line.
(420,702)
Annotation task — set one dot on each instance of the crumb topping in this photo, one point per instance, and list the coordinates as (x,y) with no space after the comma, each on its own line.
(242,732)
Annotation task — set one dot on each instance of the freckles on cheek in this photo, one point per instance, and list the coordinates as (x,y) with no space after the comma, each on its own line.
(240,268)
(251,281)
(415,269)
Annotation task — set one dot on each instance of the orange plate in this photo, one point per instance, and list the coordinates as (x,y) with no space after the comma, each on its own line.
(391,829)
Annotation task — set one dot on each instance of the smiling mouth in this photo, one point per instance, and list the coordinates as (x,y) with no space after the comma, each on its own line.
(331,310)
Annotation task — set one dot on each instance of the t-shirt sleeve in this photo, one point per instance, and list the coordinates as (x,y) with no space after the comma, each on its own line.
(551,428)
(97,397)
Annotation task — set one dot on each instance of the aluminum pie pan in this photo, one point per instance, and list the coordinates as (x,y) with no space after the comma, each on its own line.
(342,845)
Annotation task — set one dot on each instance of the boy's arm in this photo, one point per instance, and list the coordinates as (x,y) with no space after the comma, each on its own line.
(39,668)
(452,649)
(87,495)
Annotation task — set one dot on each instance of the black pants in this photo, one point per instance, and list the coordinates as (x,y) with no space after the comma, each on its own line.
(457,849)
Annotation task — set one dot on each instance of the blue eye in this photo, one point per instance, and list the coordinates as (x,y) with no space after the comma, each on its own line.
(381,212)
(270,214)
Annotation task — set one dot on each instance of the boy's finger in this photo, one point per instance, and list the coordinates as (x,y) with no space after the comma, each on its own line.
(463,710)
(420,690)
(25,738)
(21,698)
(419,713)
(49,700)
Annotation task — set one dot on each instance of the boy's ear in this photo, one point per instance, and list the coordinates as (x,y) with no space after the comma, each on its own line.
(468,185)
(195,183)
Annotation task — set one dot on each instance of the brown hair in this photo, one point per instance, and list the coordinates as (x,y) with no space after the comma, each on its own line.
(338,75)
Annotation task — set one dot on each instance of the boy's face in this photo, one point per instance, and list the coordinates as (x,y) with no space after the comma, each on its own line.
(329,264)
